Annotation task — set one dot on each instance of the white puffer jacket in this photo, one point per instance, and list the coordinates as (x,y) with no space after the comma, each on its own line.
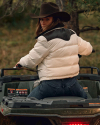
(56,54)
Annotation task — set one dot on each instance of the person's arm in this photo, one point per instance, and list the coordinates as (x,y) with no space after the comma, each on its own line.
(37,54)
(84,47)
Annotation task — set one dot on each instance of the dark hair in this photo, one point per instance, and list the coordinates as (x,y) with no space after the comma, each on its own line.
(39,29)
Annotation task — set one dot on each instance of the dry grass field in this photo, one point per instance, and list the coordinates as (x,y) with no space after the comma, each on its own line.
(94,38)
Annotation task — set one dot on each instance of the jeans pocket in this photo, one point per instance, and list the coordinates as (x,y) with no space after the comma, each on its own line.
(47,89)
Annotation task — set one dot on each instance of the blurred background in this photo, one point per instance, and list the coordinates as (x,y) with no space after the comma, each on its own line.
(17,29)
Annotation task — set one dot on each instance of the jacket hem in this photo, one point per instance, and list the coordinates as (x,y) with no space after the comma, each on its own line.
(60,77)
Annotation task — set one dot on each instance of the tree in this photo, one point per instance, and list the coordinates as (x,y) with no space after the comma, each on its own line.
(9,7)
(74,7)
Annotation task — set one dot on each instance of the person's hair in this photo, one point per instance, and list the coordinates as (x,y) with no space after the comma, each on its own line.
(39,29)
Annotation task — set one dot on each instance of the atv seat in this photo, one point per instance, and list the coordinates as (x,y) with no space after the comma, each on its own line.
(93,86)
(92,92)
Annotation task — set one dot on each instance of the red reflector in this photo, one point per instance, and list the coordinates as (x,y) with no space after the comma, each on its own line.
(75,123)
(2,110)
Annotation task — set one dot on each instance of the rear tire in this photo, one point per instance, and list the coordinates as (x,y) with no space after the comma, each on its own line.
(43,122)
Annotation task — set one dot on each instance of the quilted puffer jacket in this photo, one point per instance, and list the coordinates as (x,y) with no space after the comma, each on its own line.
(56,54)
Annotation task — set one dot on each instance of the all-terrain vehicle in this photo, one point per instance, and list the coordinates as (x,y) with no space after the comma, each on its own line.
(53,110)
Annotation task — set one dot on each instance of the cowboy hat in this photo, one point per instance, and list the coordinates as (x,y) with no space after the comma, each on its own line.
(52,9)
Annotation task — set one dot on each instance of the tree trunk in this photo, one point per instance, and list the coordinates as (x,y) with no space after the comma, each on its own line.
(9,4)
(58,3)
(73,23)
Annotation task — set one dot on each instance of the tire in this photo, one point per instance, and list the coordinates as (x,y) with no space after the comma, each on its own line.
(43,122)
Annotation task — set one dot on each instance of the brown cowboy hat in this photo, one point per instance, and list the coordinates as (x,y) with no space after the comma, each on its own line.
(51,9)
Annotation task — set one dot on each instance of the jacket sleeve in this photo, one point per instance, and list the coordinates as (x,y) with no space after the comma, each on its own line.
(37,54)
(84,47)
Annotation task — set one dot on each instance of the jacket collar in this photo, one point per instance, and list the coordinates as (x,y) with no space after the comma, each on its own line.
(59,25)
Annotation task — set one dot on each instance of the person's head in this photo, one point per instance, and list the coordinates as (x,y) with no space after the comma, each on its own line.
(49,17)
(46,23)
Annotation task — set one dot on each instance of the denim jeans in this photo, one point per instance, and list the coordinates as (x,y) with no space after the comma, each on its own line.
(58,87)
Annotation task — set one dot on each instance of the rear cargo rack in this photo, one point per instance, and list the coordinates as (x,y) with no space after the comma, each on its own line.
(91,76)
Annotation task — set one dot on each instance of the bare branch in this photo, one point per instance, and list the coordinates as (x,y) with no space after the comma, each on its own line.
(81,11)
(88,28)
(61,5)
(11,6)
(86,10)
(23,6)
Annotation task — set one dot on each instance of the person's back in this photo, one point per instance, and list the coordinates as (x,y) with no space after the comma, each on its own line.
(63,48)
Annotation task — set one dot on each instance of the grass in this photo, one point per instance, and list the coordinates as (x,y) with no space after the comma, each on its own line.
(94,38)
(15,42)
(92,60)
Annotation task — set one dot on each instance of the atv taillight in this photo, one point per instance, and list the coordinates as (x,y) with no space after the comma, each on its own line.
(2,110)
(75,123)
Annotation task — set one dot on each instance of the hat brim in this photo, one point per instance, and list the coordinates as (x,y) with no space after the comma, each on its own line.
(63,16)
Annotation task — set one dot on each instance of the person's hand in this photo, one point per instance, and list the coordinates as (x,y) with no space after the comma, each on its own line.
(18,65)
(93,51)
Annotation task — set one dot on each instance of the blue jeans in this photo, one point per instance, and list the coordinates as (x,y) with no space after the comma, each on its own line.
(58,87)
